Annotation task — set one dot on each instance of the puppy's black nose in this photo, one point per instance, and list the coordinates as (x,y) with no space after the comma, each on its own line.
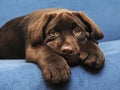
(67,50)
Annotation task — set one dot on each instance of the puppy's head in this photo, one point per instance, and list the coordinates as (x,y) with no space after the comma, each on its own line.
(66,32)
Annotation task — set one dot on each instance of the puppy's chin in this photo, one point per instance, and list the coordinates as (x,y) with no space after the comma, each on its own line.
(72,60)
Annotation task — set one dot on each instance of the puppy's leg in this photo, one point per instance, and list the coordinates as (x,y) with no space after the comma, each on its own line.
(54,67)
(92,56)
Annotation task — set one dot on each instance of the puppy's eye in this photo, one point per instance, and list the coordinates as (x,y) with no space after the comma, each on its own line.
(77,31)
(53,33)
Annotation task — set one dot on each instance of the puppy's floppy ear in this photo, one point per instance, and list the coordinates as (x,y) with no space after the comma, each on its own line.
(91,26)
(37,29)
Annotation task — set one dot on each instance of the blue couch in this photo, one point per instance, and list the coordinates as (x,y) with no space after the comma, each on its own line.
(19,75)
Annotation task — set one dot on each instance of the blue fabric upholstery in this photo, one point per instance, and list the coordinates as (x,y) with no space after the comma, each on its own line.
(19,75)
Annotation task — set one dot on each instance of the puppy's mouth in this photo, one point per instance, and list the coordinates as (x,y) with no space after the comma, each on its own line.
(71,59)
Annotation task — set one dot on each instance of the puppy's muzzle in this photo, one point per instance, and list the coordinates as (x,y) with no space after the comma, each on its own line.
(67,49)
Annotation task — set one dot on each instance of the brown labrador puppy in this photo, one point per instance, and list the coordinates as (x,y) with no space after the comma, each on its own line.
(53,39)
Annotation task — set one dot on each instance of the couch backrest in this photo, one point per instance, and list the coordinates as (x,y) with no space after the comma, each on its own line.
(104,12)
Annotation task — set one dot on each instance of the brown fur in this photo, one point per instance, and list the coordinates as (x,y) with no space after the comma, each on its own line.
(53,39)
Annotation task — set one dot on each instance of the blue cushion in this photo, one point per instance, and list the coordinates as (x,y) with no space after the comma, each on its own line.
(19,75)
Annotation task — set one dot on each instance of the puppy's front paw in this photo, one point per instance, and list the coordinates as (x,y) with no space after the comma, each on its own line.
(56,71)
(93,59)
